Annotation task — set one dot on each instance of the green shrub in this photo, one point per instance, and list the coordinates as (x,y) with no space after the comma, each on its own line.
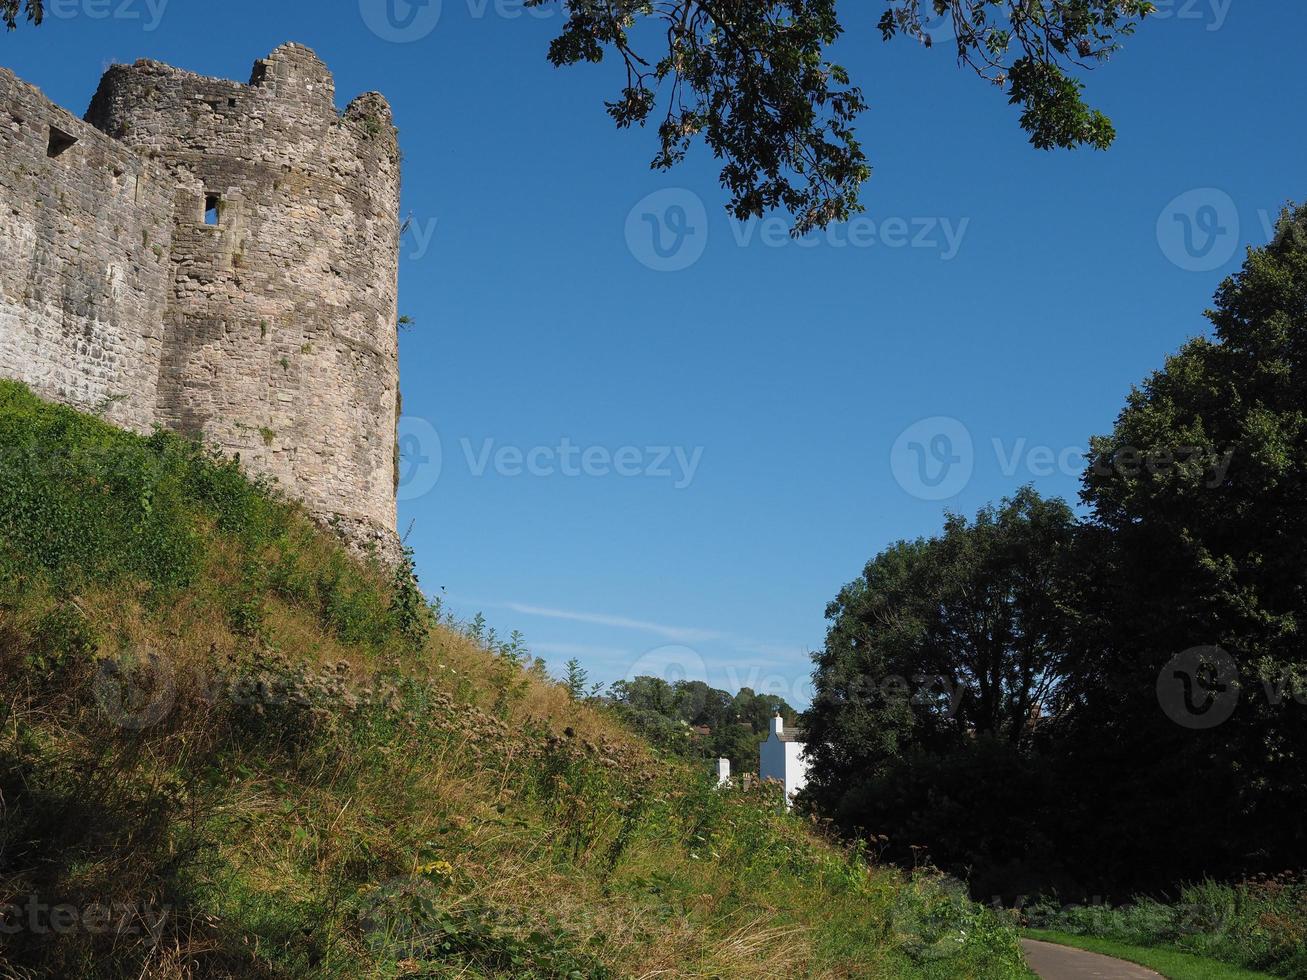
(412,921)
(1259,924)
(83,502)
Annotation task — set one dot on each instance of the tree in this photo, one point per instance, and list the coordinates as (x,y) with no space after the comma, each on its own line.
(1162,634)
(576,680)
(1199,496)
(11,10)
(942,646)
(945,639)
(647,694)
(698,704)
(751,78)
(1205,470)
(665,714)
(758,710)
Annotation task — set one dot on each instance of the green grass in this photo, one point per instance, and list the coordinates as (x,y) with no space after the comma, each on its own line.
(218,722)
(1169,963)
(1258,924)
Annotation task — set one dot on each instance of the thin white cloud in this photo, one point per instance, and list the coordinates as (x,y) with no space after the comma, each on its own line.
(678,634)
(752,663)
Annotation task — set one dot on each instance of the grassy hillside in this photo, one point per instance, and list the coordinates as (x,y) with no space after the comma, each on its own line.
(227,749)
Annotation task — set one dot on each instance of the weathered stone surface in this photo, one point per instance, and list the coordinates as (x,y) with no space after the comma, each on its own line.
(85,260)
(270,333)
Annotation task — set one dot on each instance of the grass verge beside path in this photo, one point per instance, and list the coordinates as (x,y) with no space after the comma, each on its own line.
(1168,962)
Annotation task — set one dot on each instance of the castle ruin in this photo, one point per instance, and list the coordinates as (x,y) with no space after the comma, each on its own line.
(217,258)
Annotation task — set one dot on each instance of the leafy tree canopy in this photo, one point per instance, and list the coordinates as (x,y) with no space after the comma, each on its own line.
(1207,465)
(667,713)
(1145,768)
(12,10)
(943,640)
(1199,498)
(753,80)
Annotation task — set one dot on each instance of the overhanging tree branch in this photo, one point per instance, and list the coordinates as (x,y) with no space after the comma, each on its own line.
(751,78)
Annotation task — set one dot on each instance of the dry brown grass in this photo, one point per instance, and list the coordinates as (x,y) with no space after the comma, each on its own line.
(301,771)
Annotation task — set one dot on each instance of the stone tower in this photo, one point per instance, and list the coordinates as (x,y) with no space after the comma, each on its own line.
(279,327)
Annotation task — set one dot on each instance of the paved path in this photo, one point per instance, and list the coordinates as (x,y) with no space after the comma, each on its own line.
(1063,963)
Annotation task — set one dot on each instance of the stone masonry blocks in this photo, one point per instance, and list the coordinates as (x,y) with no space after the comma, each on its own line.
(218,258)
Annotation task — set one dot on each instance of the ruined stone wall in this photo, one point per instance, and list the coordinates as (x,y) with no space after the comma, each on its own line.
(280,340)
(270,332)
(85,268)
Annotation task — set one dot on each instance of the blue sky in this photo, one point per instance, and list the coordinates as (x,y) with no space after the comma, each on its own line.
(665,455)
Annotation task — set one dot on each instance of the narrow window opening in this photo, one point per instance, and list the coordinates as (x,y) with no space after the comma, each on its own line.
(212,209)
(59,142)
(231,103)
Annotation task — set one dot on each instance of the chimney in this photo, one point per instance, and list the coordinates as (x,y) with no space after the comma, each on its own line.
(778,724)
(723,772)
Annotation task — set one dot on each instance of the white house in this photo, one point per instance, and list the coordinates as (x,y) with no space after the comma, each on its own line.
(781,757)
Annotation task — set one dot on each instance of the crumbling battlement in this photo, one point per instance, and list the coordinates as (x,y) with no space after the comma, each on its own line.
(218,258)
